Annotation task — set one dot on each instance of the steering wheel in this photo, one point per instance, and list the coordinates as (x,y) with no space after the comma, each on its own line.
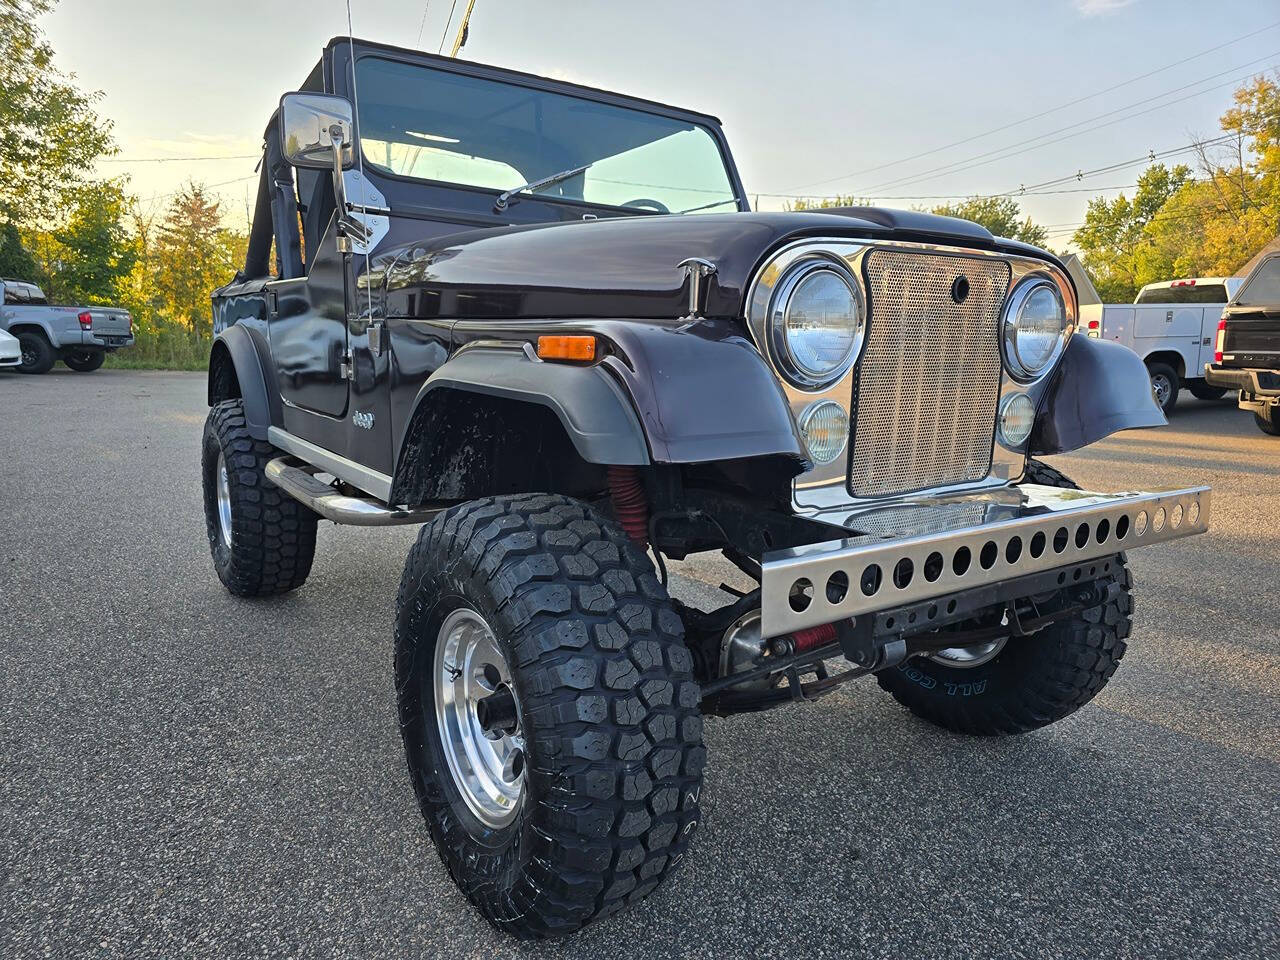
(643,203)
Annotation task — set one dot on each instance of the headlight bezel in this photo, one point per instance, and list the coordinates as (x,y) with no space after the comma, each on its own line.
(792,369)
(1014,364)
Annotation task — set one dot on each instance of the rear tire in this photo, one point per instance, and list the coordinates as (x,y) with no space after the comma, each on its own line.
(1030,681)
(606,709)
(84,361)
(1164,386)
(1269,421)
(37,354)
(261,539)
(1202,391)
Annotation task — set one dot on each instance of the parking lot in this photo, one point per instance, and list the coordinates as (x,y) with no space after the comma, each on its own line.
(186,773)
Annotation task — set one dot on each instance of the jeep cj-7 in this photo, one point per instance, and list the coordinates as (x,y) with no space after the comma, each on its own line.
(542,321)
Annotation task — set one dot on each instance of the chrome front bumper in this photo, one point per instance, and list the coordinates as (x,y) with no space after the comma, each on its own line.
(933,547)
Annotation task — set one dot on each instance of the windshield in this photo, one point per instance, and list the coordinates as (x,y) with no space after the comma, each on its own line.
(435,125)
(1199,293)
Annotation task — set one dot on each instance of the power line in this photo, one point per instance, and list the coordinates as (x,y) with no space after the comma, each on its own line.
(422,26)
(1045,113)
(242,156)
(979,161)
(444,36)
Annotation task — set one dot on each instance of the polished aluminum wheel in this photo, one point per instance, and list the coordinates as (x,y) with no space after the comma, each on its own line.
(973,656)
(487,765)
(224,500)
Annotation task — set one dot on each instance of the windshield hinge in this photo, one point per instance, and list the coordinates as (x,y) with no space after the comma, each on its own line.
(696,269)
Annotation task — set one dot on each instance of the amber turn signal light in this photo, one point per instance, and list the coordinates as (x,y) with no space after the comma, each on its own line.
(567,348)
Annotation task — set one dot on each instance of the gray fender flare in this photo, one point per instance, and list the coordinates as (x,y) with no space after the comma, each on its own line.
(592,407)
(238,344)
(44,326)
(1100,388)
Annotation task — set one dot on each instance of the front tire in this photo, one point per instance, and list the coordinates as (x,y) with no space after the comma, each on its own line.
(1022,683)
(606,708)
(261,539)
(37,354)
(85,361)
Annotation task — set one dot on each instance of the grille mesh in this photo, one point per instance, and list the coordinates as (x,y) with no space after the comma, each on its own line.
(929,379)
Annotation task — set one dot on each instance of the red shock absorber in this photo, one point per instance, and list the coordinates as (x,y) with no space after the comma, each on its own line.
(630,505)
(812,638)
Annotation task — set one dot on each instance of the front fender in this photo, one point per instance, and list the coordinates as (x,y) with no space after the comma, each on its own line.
(1100,388)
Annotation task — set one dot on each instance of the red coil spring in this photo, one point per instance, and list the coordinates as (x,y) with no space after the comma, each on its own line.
(630,505)
(814,637)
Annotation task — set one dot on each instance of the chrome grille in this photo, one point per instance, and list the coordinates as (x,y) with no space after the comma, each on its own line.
(925,394)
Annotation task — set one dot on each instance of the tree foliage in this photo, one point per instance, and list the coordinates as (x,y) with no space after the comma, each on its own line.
(1178,225)
(1001,215)
(94,251)
(15,259)
(49,132)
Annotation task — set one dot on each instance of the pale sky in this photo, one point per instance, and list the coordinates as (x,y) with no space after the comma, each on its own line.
(816,97)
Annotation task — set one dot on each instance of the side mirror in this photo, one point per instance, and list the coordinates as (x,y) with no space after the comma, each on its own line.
(314,127)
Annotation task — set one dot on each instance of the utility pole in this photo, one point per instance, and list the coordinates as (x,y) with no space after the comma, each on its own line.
(462,30)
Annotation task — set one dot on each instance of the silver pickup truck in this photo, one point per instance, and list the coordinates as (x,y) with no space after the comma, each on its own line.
(81,337)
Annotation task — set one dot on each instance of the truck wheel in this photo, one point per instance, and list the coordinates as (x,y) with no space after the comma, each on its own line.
(84,361)
(37,354)
(262,540)
(1202,391)
(1164,386)
(1269,421)
(1016,684)
(548,709)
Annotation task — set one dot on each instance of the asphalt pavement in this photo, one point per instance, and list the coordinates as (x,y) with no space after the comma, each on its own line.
(183,773)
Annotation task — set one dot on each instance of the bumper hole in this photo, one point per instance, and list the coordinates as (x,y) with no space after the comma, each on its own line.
(960,562)
(933,610)
(903,573)
(1082,535)
(1060,540)
(951,606)
(989,554)
(871,580)
(837,587)
(1013,550)
(801,594)
(1037,545)
(1076,574)
(933,566)
(1122,528)
(1103,531)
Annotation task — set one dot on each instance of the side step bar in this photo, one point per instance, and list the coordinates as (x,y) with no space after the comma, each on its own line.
(299,480)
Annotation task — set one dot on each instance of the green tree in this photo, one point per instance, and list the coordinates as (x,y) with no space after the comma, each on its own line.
(1001,215)
(15,260)
(1113,241)
(95,251)
(49,132)
(826,203)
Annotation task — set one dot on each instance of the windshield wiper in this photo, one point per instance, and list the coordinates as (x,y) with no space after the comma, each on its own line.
(708,206)
(500,203)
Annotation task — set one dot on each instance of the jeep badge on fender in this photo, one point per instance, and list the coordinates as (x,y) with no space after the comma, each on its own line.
(603,359)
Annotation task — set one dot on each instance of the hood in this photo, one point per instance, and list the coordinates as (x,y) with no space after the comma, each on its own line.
(626,267)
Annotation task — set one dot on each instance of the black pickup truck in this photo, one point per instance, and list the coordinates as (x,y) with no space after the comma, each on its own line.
(542,321)
(1247,355)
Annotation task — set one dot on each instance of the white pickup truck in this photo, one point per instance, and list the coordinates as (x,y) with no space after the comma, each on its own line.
(81,337)
(1172,326)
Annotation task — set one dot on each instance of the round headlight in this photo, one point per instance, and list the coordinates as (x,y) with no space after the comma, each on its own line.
(1017,415)
(817,324)
(824,427)
(1035,327)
